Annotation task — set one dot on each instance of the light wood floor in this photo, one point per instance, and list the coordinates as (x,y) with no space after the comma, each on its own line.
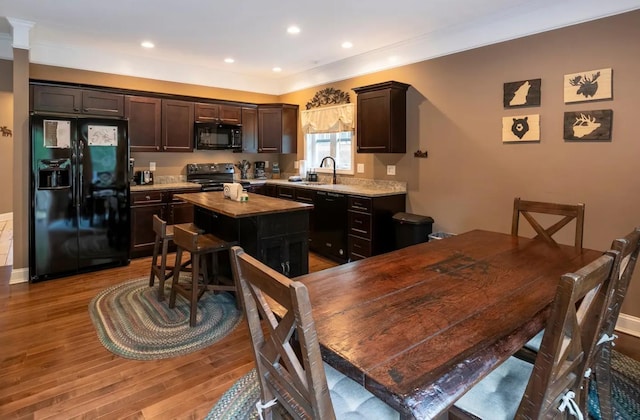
(53,366)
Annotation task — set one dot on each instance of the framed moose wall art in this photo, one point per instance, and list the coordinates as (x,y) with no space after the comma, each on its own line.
(591,85)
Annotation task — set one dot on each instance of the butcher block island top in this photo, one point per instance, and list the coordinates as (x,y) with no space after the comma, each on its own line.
(256,205)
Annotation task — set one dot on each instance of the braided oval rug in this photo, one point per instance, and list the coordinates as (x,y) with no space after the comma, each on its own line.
(131,323)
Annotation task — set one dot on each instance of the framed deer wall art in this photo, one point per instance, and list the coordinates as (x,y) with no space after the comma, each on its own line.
(590,85)
(588,125)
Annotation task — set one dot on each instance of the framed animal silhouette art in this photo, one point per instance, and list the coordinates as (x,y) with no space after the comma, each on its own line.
(521,94)
(588,125)
(590,85)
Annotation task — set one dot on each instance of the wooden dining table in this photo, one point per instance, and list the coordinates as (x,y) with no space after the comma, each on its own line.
(419,326)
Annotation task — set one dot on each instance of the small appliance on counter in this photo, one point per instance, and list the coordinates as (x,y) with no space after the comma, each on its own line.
(143,178)
(312,176)
(258,170)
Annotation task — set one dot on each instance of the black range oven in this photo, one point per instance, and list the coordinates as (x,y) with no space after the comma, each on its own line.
(211,175)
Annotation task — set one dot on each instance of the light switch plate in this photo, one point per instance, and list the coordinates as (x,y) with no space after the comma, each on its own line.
(360,168)
(152,166)
(391,169)
(295,164)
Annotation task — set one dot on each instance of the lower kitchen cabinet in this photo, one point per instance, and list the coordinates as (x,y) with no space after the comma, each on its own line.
(370,224)
(144,204)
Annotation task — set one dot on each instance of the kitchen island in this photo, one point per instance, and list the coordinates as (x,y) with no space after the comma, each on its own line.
(272,230)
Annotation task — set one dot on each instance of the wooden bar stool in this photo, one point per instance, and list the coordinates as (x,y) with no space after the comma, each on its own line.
(164,235)
(203,249)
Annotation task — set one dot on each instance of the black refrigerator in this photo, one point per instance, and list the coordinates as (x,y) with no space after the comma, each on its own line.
(79,213)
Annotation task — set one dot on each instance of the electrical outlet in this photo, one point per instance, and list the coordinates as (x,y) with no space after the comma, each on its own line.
(360,168)
(295,164)
(266,164)
(391,169)
(152,166)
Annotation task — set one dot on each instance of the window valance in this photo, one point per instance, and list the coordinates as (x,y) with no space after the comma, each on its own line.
(328,119)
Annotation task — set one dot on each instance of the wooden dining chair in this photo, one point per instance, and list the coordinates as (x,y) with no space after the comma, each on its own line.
(600,360)
(551,387)
(569,211)
(294,375)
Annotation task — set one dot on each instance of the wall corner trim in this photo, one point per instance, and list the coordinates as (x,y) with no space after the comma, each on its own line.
(21,30)
(19,275)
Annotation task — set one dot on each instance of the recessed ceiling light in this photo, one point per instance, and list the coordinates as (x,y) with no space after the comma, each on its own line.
(147,44)
(277,69)
(347,44)
(293,29)
(229,60)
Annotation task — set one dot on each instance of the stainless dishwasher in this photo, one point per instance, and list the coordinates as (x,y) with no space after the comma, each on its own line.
(329,235)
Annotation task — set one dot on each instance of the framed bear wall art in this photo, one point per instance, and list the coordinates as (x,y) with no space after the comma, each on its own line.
(521,128)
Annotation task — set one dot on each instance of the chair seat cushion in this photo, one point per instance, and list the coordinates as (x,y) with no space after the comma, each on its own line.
(352,401)
(535,342)
(498,395)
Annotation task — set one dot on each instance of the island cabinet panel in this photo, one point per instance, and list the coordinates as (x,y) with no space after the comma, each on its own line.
(70,100)
(382,118)
(280,240)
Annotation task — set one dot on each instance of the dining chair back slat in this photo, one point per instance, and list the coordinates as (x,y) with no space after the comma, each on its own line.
(570,338)
(569,211)
(296,380)
(600,360)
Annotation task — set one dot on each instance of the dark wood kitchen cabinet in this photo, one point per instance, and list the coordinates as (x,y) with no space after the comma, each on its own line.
(177,126)
(159,125)
(145,123)
(144,204)
(370,224)
(249,130)
(382,118)
(277,128)
(70,100)
(219,113)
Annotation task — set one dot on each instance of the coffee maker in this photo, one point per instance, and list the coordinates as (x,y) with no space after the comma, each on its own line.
(258,170)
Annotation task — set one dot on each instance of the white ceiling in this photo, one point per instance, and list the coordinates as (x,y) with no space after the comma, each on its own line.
(193,37)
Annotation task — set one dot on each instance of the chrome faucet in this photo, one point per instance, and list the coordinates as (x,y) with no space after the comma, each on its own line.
(334,167)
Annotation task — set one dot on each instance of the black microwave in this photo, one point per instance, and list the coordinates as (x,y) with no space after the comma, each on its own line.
(215,136)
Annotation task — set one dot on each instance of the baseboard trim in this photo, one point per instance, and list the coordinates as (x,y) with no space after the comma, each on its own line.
(629,325)
(6,216)
(19,275)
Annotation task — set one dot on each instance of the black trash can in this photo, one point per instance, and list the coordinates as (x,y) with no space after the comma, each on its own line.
(411,229)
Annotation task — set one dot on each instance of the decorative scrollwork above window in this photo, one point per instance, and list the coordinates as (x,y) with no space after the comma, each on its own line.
(328,96)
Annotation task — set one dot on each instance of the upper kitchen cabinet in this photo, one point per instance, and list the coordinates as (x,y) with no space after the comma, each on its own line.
(177,126)
(70,100)
(277,128)
(221,113)
(159,125)
(382,118)
(145,123)
(249,130)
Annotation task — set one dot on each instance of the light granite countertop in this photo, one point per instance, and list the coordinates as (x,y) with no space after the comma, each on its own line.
(368,189)
(167,186)
(355,186)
